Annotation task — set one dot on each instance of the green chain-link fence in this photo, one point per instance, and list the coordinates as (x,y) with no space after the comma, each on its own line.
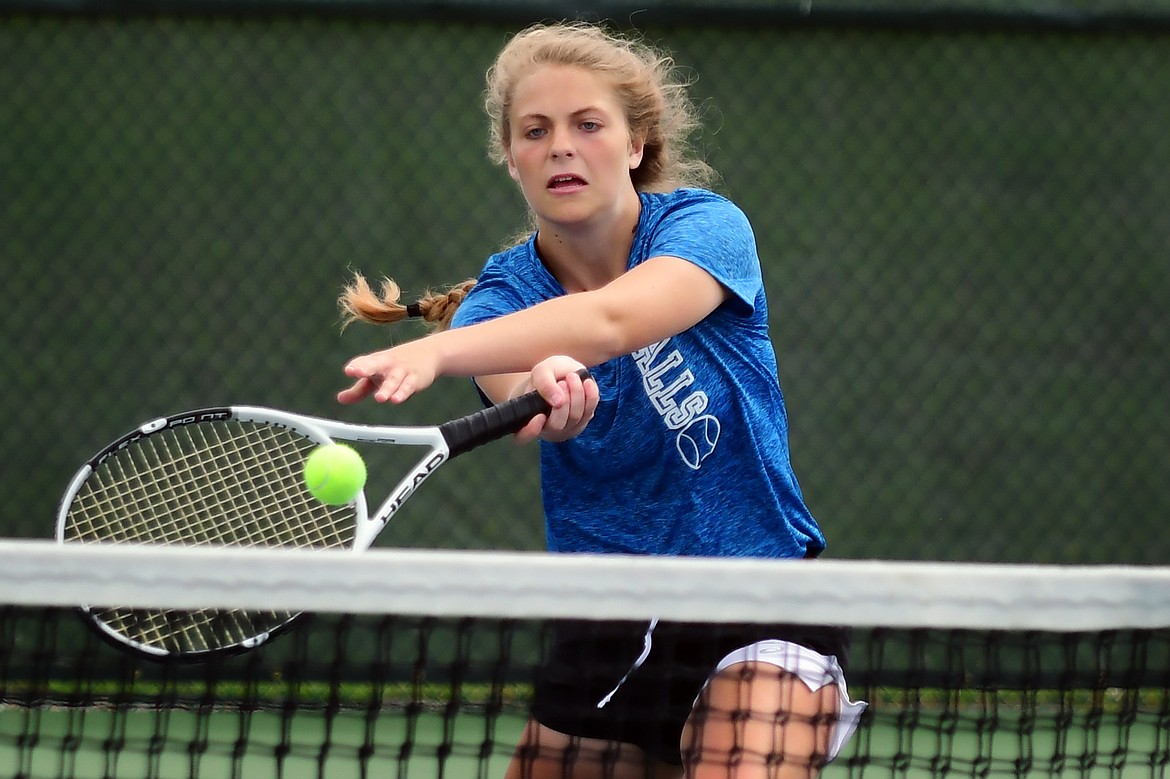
(965,231)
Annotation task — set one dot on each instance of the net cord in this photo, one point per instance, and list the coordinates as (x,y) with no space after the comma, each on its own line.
(533,584)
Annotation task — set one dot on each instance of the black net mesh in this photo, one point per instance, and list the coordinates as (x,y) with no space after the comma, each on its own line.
(407,696)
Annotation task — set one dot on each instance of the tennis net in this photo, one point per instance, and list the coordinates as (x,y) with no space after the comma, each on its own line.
(421,664)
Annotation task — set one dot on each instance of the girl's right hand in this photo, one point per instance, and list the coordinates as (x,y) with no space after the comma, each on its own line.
(390,375)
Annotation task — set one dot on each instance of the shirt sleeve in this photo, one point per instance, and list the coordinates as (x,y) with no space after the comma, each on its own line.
(716,235)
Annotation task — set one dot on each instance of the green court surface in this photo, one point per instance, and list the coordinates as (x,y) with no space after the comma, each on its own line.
(169,744)
(172,744)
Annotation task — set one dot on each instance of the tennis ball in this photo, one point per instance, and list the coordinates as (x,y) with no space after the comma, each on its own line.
(335,474)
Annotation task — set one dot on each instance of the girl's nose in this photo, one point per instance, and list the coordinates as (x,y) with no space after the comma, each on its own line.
(561,145)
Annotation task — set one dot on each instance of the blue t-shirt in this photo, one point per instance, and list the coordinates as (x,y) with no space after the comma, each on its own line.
(687,453)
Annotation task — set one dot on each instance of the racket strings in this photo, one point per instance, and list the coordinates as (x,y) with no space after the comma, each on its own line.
(226,483)
(190,632)
(232,483)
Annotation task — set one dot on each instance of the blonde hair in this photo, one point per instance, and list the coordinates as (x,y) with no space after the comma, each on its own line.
(359,303)
(645,82)
(658,111)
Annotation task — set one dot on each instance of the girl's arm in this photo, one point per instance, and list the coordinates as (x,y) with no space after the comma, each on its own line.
(658,299)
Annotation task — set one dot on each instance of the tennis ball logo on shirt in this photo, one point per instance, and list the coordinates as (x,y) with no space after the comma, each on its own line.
(697,440)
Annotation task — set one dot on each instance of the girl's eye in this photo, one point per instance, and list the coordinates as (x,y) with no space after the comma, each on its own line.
(590,126)
(533,133)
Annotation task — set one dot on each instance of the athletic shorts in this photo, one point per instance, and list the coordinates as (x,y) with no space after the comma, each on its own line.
(637,684)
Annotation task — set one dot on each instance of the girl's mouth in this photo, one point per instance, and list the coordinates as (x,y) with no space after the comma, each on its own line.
(565,181)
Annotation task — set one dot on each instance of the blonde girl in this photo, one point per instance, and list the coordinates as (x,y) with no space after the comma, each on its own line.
(679,446)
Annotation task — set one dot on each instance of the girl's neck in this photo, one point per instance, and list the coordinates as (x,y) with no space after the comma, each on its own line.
(588,256)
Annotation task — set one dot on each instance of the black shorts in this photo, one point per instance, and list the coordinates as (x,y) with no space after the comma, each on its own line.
(650,707)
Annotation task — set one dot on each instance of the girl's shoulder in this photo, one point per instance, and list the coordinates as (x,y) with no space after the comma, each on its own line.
(518,269)
(685,196)
(508,257)
(657,206)
(692,211)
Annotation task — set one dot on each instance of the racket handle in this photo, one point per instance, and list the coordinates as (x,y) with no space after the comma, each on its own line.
(466,433)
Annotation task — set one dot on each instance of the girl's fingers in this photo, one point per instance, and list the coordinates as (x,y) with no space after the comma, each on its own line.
(532,430)
(358,390)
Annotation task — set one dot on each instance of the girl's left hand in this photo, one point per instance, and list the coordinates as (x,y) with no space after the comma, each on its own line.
(573,401)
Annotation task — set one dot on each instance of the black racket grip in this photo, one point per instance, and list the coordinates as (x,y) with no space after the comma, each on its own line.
(466,433)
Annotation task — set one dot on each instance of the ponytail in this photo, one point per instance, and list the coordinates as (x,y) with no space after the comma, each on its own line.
(359,303)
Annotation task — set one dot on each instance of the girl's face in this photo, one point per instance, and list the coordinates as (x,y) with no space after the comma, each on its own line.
(569,146)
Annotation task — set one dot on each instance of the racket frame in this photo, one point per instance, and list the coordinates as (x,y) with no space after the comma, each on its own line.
(442,443)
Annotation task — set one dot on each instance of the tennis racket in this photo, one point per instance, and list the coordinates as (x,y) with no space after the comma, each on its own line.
(233,476)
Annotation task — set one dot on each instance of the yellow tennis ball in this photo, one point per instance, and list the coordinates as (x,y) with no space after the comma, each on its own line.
(335,474)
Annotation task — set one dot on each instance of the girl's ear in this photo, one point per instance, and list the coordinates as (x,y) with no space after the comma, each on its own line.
(637,147)
(511,164)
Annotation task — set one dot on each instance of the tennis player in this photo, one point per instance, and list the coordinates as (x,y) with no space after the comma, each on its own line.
(679,446)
